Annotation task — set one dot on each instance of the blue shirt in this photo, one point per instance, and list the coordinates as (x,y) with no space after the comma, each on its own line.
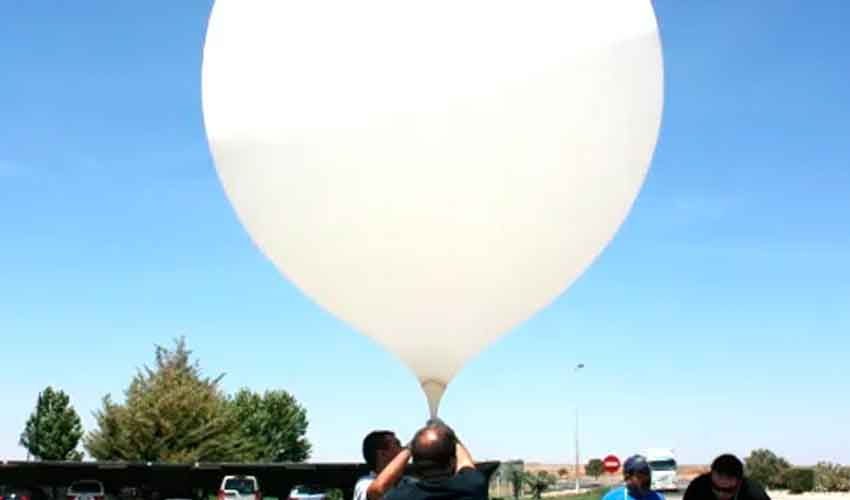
(622,493)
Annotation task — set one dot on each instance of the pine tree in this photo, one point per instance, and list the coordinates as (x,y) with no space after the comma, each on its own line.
(53,431)
(171,414)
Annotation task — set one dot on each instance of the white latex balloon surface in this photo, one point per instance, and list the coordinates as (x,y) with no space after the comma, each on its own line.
(432,172)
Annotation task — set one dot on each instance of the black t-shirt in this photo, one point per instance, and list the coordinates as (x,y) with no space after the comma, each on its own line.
(467,484)
(700,489)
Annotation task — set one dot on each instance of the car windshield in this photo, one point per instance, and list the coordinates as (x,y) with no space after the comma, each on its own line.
(308,490)
(668,464)
(243,486)
(86,487)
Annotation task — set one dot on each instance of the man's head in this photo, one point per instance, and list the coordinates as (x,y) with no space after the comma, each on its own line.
(433,450)
(380,448)
(727,474)
(637,475)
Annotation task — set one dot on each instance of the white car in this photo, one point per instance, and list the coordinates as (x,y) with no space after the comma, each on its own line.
(239,488)
(88,489)
(302,492)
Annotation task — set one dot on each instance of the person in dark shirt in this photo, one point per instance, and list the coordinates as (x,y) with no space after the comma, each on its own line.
(443,465)
(726,481)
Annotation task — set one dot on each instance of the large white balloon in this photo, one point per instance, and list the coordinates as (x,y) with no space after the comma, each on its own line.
(432,172)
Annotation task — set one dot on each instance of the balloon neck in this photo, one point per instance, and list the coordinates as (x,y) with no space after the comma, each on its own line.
(434,391)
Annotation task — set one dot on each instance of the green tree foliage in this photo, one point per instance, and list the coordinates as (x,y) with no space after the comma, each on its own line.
(563,472)
(171,414)
(53,431)
(799,480)
(767,468)
(516,477)
(275,423)
(832,477)
(539,482)
(594,467)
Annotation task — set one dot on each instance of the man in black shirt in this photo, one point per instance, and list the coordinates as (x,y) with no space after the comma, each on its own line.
(444,467)
(726,481)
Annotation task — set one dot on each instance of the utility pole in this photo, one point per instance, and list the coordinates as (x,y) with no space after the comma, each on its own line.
(578,462)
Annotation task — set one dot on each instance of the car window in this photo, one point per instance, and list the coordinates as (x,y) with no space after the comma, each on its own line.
(243,486)
(308,490)
(661,465)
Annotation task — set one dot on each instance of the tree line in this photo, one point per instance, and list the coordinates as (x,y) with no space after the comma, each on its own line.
(172,413)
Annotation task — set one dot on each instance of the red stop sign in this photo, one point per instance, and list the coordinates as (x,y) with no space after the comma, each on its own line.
(611,464)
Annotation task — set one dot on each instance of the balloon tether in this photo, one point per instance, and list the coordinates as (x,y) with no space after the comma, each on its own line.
(434,391)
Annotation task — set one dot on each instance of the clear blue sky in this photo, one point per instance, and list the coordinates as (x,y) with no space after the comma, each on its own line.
(719,318)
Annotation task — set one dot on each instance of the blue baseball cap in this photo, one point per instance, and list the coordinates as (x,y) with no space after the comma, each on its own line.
(636,464)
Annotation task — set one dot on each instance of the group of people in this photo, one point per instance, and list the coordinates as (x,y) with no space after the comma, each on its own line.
(725,481)
(443,469)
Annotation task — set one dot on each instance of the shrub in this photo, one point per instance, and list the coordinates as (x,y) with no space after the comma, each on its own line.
(539,482)
(595,468)
(831,477)
(799,480)
(767,468)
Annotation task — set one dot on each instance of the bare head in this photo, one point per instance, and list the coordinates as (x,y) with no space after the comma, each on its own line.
(433,451)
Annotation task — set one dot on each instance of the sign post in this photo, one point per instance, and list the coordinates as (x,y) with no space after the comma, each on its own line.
(611,464)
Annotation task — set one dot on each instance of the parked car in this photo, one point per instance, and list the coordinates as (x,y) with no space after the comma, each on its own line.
(302,492)
(22,493)
(87,489)
(239,488)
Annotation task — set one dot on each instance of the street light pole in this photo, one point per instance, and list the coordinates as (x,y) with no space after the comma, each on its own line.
(578,463)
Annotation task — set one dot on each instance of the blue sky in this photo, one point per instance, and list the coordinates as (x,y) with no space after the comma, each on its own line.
(718,320)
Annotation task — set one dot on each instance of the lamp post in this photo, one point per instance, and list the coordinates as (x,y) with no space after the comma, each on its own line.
(578,483)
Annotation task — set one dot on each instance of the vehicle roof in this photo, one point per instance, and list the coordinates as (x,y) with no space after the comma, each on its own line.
(659,452)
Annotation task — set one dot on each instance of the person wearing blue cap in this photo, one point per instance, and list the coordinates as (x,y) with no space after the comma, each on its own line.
(637,482)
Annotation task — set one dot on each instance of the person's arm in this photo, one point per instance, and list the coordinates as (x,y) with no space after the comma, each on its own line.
(464,459)
(691,490)
(389,476)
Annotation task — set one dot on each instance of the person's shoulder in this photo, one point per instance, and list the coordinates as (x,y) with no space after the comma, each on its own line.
(658,495)
(469,478)
(364,481)
(614,493)
(701,481)
(361,486)
(404,490)
(754,490)
(699,488)
(368,478)
(471,472)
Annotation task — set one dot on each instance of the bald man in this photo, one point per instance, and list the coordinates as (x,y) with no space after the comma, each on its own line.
(444,467)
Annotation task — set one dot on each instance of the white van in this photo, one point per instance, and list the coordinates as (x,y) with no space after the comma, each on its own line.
(662,461)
